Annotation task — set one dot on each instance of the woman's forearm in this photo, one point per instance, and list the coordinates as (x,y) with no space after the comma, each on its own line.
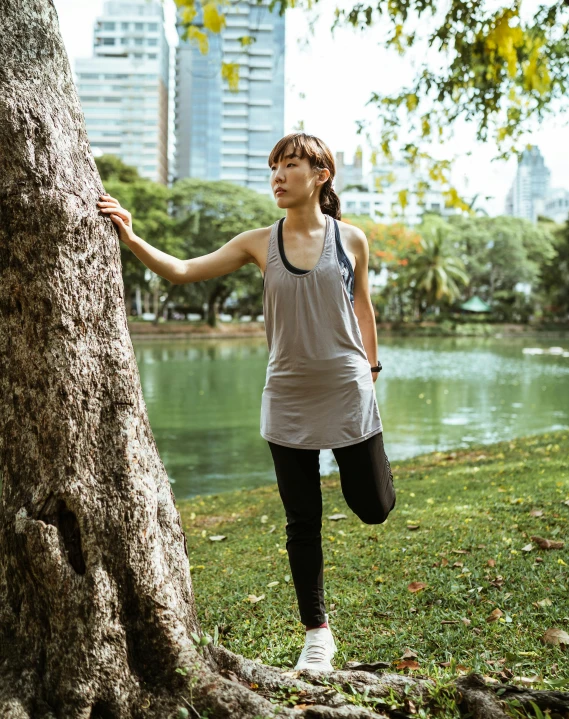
(163,264)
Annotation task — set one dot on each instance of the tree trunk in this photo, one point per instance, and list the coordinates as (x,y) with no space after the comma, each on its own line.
(96,603)
(162,312)
(138,301)
(128,300)
(212,302)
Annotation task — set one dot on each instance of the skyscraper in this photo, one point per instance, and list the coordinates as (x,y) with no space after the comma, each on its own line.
(123,88)
(526,196)
(222,134)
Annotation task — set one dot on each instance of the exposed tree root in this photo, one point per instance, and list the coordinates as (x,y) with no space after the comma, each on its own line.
(482,701)
(319,696)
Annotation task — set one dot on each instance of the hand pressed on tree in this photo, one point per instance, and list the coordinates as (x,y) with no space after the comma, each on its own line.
(121,217)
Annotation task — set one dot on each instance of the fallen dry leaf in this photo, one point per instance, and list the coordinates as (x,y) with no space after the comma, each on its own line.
(490,680)
(547,543)
(444,562)
(527,548)
(466,621)
(253,599)
(536,513)
(491,562)
(496,614)
(408,654)
(416,586)
(527,681)
(407,664)
(449,621)
(335,517)
(458,564)
(543,602)
(272,584)
(218,538)
(460,551)
(556,636)
(413,526)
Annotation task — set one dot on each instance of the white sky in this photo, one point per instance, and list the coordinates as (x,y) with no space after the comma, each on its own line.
(328,82)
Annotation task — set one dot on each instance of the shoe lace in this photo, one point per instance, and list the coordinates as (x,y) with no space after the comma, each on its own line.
(316,650)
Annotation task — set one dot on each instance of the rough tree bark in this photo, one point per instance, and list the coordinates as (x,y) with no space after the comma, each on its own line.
(96,603)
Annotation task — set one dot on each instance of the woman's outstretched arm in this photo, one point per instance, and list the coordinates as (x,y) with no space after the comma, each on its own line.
(233,255)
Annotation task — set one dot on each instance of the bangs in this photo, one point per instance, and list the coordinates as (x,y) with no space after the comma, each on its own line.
(297,145)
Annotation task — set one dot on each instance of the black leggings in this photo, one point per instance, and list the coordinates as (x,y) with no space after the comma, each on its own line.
(367,486)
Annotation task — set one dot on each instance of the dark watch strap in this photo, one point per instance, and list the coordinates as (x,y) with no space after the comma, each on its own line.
(378,368)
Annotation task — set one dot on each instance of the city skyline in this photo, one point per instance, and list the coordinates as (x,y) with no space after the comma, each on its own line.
(328,91)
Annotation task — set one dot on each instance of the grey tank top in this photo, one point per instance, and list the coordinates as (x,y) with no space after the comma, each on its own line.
(319,392)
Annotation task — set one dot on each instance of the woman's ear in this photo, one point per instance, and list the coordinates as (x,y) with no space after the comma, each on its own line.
(323,176)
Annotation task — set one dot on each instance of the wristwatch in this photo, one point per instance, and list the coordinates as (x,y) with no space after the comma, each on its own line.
(378,368)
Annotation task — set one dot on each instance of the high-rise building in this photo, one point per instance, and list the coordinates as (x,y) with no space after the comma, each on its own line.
(556,205)
(123,88)
(526,196)
(348,175)
(222,134)
(393,192)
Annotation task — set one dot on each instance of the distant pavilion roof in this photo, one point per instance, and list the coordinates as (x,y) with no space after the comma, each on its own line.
(475,304)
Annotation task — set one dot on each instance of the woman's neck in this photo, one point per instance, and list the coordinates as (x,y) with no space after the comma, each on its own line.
(304,219)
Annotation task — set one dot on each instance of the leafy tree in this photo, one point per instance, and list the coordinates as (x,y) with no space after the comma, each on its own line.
(112,167)
(554,274)
(500,252)
(435,273)
(391,248)
(147,201)
(209,214)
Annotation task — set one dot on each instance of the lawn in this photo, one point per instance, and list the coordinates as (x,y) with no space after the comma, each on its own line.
(462,527)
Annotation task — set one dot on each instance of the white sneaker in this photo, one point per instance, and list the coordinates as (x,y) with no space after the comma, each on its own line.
(319,648)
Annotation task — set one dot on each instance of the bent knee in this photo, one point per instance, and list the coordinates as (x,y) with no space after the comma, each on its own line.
(375,516)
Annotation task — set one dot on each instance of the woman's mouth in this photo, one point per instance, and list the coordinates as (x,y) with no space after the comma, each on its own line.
(280,191)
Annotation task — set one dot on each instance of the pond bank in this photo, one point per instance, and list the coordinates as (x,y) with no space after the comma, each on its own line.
(462,527)
(193,330)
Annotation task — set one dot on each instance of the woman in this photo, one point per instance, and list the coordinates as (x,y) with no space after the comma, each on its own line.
(319,390)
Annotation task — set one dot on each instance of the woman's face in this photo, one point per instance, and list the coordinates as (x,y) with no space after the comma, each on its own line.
(294,182)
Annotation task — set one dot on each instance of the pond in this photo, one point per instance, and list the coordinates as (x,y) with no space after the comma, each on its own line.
(434,393)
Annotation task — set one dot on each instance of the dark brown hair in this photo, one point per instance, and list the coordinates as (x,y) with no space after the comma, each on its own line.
(318,154)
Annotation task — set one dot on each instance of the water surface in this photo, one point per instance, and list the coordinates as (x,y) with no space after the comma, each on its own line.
(434,393)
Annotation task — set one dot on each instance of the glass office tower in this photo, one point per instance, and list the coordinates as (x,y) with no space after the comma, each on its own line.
(226,135)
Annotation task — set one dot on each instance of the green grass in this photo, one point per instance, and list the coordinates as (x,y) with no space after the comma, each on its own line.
(471,506)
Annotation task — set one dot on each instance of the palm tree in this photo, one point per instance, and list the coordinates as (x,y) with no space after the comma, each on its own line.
(435,273)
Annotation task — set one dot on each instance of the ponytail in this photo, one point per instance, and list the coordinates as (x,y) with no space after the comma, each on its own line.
(329,201)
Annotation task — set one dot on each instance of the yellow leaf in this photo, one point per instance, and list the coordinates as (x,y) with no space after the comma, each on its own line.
(212,19)
(411,101)
(188,14)
(230,72)
(199,37)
